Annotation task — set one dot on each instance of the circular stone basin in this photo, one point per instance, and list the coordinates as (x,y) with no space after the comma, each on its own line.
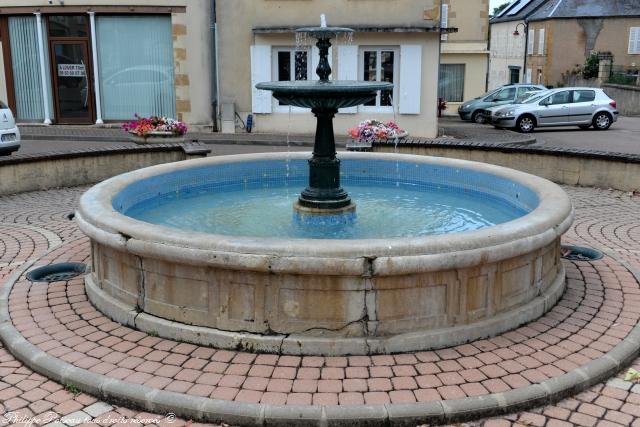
(406,286)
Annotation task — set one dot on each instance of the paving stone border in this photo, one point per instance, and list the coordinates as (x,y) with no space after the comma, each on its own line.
(236,413)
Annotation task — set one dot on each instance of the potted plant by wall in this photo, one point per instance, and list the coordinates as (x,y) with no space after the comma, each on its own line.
(154,129)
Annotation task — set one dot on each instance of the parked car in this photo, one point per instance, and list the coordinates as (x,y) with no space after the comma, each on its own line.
(581,106)
(472,110)
(521,99)
(9,133)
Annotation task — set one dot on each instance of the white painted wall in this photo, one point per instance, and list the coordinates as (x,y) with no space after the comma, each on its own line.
(505,50)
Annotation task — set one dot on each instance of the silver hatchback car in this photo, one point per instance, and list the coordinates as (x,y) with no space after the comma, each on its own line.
(581,106)
(9,133)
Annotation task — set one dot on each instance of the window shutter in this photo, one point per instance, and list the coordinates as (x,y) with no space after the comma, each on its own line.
(348,69)
(528,78)
(541,42)
(260,72)
(315,60)
(634,40)
(444,20)
(532,35)
(410,78)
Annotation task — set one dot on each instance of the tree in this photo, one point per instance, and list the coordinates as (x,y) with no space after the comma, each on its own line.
(497,10)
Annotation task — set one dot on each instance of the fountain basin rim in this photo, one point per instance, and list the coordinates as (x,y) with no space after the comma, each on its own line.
(324,88)
(552,217)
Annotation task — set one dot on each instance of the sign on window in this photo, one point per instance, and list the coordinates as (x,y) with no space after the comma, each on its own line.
(71,70)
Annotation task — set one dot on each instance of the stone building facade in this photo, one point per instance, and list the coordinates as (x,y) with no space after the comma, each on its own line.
(96,61)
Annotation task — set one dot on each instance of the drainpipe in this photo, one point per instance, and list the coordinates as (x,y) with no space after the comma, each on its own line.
(526,51)
(214,68)
(43,70)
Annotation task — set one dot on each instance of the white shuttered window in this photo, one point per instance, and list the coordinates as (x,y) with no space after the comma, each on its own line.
(410,78)
(634,40)
(541,42)
(530,40)
(260,72)
(348,69)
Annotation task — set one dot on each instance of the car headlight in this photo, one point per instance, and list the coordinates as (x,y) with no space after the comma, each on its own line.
(510,113)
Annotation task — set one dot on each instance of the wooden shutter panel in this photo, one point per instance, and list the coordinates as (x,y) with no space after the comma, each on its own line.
(634,40)
(444,20)
(261,100)
(530,41)
(410,78)
(348,69)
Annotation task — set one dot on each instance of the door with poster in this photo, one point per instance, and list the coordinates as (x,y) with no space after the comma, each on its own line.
(72,81)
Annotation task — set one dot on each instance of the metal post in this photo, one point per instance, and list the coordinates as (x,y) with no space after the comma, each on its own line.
(43,70)
(96,74)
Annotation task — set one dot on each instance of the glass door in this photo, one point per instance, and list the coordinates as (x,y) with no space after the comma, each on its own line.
(72,81)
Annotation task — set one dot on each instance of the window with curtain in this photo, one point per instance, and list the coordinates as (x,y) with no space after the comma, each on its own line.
(25,64)
(451,82)
(135,62)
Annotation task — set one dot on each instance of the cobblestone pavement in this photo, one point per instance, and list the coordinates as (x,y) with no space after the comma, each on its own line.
(598,309)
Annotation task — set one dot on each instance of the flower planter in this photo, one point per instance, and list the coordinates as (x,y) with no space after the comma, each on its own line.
(364,145)
(156,137)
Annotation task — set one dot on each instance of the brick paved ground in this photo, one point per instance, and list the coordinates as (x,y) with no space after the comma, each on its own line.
(598,309)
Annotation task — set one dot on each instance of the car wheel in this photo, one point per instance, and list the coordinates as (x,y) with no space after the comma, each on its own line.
(525,124)
(584,126)
(602,121)
(478,117)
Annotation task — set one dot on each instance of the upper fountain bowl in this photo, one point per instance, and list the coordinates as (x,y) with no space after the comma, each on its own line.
(324,32)
(324,94)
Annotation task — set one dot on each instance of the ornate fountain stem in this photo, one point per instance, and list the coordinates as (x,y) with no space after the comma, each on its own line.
(324,191)
(324,69)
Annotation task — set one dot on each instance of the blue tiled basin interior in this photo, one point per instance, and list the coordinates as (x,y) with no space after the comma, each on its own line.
(393,198)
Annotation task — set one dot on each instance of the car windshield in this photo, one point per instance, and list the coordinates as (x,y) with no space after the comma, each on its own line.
(532,99)
(522,98)
(491,92)
(3,106)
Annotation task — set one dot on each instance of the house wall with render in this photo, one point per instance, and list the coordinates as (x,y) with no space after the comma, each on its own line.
(238,37)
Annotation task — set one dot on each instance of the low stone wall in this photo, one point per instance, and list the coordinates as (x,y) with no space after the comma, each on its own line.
(20,173)
(560,165)
(627,97)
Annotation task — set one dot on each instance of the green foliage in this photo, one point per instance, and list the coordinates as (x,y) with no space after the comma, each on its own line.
(591,66)
(72,388)
(497,10)
(632,375)
(621,79)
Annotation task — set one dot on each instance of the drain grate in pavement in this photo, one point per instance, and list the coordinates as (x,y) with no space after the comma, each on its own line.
(579,253)
(57,272)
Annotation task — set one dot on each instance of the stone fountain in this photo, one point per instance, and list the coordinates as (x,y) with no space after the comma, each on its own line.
(176,252)
(324,195)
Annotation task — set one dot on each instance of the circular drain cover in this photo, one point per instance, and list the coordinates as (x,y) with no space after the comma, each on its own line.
(579,253)
(57,272)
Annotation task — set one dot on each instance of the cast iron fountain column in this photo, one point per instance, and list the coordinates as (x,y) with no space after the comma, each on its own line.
(324,192)
(324,195)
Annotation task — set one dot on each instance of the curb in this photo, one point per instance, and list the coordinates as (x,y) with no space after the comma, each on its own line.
(210,410)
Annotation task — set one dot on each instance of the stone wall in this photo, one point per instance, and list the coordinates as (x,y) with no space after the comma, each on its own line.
(562,166)
(21,173)
(627,98)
